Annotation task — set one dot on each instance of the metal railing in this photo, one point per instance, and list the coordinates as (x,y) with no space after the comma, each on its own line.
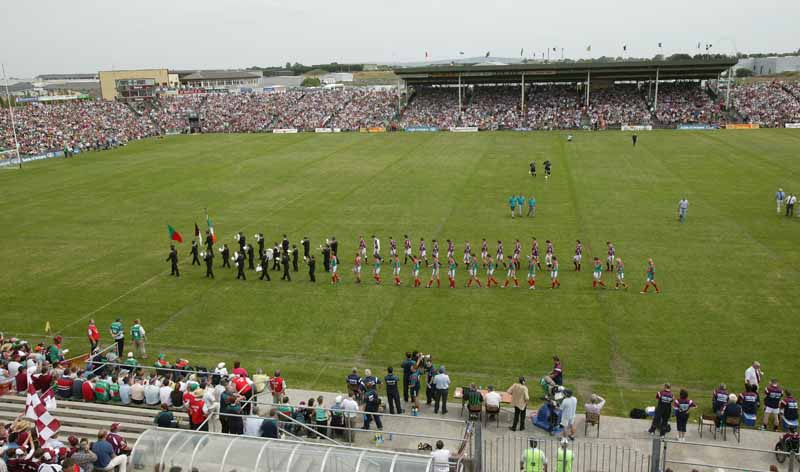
(504,454)
(722,456)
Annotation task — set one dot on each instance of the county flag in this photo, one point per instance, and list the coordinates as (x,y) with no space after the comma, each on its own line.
(196,231)
(174,235)
(37,408)
(211,230)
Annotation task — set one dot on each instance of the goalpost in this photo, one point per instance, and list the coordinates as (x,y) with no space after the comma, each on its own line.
(9,159)
(15,151)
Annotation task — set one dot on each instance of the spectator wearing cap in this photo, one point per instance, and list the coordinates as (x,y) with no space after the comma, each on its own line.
(519,400)
(441,383)
(752,375)
(106,459)
(117,441)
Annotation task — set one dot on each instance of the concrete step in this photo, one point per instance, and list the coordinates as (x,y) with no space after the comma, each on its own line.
(81,430)
(62,412)
(141,410)
(84,422)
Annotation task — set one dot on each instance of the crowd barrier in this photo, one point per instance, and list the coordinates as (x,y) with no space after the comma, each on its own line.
(742,126)
(793,125)
(327,130)
(420,129)
(637,128)
(697,126)
(464,129)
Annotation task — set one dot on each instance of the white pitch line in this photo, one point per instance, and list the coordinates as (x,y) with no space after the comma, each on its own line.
(109,303)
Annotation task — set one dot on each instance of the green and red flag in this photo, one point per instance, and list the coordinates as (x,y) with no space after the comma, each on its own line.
(174,235)
(211,230)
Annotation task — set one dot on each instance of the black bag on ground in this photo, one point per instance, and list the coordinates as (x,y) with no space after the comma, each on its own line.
(638,414)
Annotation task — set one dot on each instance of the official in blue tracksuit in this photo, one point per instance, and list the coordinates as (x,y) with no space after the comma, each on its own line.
(392,391)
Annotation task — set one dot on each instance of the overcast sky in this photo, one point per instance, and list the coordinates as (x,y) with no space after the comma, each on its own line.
(61,36)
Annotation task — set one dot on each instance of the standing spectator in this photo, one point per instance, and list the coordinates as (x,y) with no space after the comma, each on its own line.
(564,457)
(750,402)
(106,459)
(682,405)
(372,403)
(118,334)
(780,196)
(321,417)
(663,411)
(569,407)
(277,386)
(94,336)
(752,375)
(441,458)
(789,408)
(139,336)
(392,392)
(772,400)
(350,407)
(442,384)
(406,366)
(719,398)
(683,207)
(533,458)
(519,399)
(221,370)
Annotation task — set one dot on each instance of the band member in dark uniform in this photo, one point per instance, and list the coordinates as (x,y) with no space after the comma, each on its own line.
(634,138)
(195,252)
(285,244)
(276,257)
(334,247)
(306,247)
(208,256)
(240,266)
(312,266)
(173,258)
(285,264)
(264,267)
(250,257)
(295,255)
(209,241)
(260,240)
(226,256)
(326,257)
(242,242)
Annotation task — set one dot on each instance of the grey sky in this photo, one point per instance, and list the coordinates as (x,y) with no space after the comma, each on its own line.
(60,36)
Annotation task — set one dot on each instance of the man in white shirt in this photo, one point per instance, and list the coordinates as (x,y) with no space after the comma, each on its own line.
(568,408)
(13,368)
(350,408)
(752,376)
(442,385)
(221,370)
(441,458)
(165,394)
(151,393)
(252,424)
(492,398)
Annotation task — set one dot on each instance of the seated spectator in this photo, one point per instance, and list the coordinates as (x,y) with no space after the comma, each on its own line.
(474,399)
(165,418)
(165,392)
(595,405)
(137,392)
(88,389)
(269,427)
(492,398)
(732,409)
(84,457)
(125,390)
(117,441)
(106,459)
(151,393)
(65,383)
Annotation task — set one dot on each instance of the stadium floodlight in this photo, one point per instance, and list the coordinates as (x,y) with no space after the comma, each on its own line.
(13,123)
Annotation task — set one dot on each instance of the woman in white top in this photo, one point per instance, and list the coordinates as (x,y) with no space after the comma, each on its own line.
(441,458)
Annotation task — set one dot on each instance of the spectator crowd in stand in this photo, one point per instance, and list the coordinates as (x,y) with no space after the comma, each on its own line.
(94,125)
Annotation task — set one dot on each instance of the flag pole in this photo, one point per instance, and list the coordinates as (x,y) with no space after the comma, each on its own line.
(13,123)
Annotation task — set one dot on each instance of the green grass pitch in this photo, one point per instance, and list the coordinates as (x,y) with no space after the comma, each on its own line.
(87,238)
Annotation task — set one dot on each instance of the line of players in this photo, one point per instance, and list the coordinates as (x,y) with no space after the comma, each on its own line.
(281,255)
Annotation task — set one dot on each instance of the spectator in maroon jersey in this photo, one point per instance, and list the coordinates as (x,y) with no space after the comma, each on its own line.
(772,403)
(663,411)
(789,410)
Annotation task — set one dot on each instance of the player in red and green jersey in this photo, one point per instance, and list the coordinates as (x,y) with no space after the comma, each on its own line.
(651,277)
(435,273)
(532,272)
(554,273)
(334,269)
(376,269)
(451,271)
(598,273)
(490,273)
(396,270)
(620,275)
(357,268)
(473,271)
(511,274)
(415,270)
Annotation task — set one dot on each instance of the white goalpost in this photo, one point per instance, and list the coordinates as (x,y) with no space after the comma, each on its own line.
(15,151)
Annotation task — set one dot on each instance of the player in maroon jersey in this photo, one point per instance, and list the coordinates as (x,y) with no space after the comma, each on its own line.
(548,255)
(423,251)
(499,257)
(451,249)
(484,251)
(407,248)
(467,252)
(535,253)
(576,260)
(362,247)
(610,258)
(392,248)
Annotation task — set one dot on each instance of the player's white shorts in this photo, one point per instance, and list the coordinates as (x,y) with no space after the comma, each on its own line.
(531,275)
(771,411)
(620,276)
(548,259)
(499,257)
(435,274)
(393,252)
(357,269)
(466,258)
(334,269)
(484,255)
(597,275)
(553,274)
(363,252)
(610,259)
(451,274)
(423,253)
(416,274)
(396,271)
(490,272)
(511,273)
(376,271)
(449,254)
(577,258)
(408,251)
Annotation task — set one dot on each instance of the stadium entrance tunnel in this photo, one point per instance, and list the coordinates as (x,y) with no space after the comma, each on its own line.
(173,450)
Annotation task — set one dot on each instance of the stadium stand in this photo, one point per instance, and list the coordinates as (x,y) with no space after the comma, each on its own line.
(686,102)
(767,104)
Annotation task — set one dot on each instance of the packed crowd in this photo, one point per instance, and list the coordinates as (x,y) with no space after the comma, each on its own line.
(493,108)
(686,102)
(78,124)
(553,107)
(767,103)
(621,104)
(432,106)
